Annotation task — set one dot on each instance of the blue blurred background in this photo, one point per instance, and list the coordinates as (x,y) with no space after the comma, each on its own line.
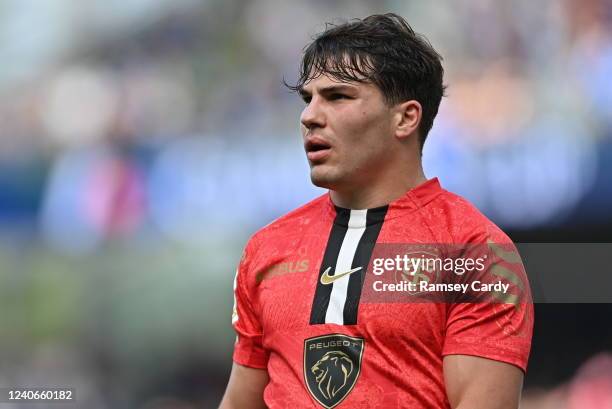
(143,141)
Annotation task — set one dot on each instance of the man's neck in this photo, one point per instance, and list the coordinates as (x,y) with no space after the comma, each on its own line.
(375,195)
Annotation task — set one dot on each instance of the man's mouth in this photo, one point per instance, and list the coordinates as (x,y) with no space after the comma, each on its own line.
(317,149)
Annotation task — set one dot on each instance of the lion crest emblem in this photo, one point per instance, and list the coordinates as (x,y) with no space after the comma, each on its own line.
(332,364)
(331,372)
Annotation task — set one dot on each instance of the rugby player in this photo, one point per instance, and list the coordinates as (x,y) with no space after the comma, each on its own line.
(305,339)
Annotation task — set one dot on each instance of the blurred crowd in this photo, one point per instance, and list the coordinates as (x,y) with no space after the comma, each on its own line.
(142,141)
(189,104)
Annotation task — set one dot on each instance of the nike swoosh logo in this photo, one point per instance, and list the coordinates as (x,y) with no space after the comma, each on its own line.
(326,279)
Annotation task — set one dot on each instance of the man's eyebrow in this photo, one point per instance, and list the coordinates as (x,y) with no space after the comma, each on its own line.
(337,88)
(328,90)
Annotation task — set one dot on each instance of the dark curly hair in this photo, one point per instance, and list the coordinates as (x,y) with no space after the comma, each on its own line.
(385,51)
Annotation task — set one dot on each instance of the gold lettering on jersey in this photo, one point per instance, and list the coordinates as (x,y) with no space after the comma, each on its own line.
(286,267)
(332,344)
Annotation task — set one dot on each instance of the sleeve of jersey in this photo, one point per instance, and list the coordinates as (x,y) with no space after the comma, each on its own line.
(248,349)
(495,324)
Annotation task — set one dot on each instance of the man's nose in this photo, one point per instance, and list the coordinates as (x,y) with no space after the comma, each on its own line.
(313,115)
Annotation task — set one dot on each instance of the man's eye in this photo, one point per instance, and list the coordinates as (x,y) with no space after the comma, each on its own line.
(338,96)
(306,99)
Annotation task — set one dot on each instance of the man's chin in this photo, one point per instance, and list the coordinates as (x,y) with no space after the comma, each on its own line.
(323,179)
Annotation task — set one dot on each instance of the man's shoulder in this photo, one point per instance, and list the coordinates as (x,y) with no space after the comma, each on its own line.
(464,221)
(295,220)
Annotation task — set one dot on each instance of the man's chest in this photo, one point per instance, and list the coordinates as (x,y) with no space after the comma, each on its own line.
(300,292)
(317,274)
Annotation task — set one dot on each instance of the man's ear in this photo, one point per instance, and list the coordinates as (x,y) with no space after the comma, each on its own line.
(407,118)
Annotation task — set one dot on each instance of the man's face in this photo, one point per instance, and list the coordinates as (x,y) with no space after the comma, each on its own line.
(347,132)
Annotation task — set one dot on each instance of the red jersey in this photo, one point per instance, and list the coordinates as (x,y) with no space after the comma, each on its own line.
(299,311)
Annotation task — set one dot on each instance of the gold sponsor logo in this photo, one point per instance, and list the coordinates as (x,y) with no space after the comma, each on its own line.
(286,267)
(331,344)
(332,364)
(326,279)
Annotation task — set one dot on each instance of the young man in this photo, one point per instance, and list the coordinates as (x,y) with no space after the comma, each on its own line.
(306,337)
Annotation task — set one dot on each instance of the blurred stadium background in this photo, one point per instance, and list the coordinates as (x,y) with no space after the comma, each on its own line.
(143,141)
